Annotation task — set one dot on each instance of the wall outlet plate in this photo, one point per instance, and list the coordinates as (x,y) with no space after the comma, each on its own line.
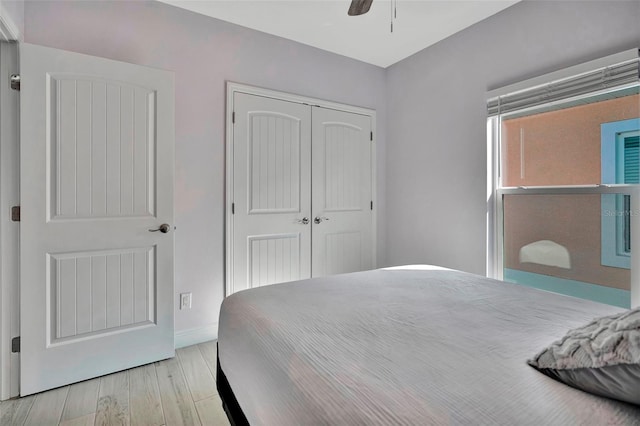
(185,300)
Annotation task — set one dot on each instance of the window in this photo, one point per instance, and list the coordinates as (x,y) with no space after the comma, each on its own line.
(564,157)
(619,165)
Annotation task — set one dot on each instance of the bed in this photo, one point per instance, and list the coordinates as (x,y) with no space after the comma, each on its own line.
(413,345)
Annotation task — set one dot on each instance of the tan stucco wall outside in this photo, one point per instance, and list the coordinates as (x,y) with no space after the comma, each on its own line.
(560,148)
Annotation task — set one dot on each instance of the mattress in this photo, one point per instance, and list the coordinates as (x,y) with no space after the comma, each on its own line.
(416,345)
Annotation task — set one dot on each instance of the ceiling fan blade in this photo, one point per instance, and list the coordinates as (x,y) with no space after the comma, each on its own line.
(359,7)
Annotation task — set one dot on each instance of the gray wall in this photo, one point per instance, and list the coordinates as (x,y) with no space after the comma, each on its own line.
(434,169)
(436,153)
(204,53)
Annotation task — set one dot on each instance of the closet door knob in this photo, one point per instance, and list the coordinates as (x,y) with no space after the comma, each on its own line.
(319,219)
(304,221)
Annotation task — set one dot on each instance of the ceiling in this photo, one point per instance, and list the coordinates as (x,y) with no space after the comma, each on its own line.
(325,24)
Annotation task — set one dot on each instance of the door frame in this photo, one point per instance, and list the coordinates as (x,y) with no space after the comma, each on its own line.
(232,89)
(9,231)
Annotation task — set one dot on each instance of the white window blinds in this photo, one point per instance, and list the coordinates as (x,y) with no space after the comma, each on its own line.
(619,75)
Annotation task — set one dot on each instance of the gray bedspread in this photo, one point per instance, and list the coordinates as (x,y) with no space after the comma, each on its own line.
(409,346)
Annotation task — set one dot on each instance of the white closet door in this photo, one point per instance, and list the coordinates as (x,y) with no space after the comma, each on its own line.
(342,209)
(96,287)
(271,192)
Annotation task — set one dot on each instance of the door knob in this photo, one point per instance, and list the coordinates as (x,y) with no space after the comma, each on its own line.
(304,220)
(164,228)
(319,219)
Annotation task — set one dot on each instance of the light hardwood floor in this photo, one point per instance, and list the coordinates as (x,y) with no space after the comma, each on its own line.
(177,391)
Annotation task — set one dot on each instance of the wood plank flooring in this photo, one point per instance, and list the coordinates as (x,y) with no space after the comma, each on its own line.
(173,392)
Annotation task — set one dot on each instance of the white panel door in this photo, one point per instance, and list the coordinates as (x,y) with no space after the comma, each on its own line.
(96,165)
(342,192)
(271,192)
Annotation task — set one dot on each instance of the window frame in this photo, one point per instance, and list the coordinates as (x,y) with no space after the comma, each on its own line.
(496,192)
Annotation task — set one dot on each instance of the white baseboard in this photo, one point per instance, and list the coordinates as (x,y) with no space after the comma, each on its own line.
(194,336)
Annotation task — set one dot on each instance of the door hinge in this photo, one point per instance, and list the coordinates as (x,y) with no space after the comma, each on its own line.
(233,208)
(14,81)
(15,214)
(233,117)
(371,136)
(15,345)
(371,205)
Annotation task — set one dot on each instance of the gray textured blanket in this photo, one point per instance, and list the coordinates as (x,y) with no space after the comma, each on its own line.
(404,347)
